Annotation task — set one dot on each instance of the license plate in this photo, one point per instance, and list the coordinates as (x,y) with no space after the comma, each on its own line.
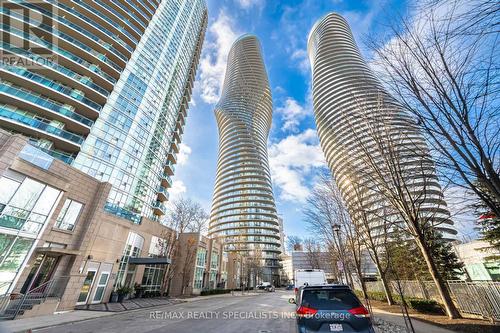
(336,328)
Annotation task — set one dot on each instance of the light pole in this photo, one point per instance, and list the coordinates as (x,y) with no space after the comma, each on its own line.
(336,229)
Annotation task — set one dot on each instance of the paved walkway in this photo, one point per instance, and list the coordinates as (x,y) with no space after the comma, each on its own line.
(419,326)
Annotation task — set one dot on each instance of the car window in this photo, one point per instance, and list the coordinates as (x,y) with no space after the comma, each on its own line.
(329,299)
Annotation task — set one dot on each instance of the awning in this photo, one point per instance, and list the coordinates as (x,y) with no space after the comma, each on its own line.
(58,251)
(149,261)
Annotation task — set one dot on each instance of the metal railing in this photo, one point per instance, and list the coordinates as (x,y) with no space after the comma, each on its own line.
(480,298)
(51,288)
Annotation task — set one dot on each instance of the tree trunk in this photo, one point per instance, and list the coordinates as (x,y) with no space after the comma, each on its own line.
(387,291)
(362,282)
(383,278)
(443,291)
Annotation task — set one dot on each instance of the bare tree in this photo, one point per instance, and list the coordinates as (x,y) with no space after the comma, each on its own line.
(184,215)
(254,265)
(294,243)
(187,270)
(325,210)
(443,65)
(312,249)
(351,233)
(373,237)
(397,167)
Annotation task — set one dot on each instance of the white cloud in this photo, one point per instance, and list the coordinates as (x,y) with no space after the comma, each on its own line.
(292,160)
(176,191)
(292,113)
(184,152)
(302,58)
(246,4)
(221,35)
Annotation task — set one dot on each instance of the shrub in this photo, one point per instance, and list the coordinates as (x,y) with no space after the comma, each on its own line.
(214,292)
(425,305)
(418,304)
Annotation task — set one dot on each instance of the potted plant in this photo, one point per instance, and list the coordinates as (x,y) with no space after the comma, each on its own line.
(123,292)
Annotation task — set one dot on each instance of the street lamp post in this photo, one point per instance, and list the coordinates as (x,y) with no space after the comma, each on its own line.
(336,229)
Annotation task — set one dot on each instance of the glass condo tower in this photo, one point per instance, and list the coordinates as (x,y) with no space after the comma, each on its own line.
(104,86)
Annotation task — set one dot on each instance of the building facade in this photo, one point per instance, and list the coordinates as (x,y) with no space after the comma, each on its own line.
(202,264)
(56,235)
(351,108)
(243,212)
(480,259)
(104,86)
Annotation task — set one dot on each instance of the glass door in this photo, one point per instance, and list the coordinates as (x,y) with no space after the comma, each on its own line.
(101,287)
(46,270)
(87,286)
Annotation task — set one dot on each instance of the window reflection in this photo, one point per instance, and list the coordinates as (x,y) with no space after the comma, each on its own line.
(25,205)
(27,195)
(69,214)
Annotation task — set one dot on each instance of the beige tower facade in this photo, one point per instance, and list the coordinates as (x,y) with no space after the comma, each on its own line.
(243,210)
(349,102)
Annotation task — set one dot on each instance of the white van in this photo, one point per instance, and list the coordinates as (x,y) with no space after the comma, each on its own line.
(310,277)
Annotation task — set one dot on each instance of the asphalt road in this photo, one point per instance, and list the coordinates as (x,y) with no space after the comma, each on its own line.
(262,313)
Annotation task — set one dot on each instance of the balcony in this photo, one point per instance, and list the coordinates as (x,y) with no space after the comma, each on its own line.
(47,86)
(62,139)
(169,168)
(181,119)
(25,99)
(180,128)
(183,110)
(162,194)
(159,208)
(175,146)
(172,157)
(177,136)
(166,181)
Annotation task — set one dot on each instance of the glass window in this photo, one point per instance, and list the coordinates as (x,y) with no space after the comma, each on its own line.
(329,299)
(27,194)
(68,215)
(5,243)
(13,252)
(8,187)
(133,248)
(49,197)
(198,278)
(25,206)
(201,257)
(16,254)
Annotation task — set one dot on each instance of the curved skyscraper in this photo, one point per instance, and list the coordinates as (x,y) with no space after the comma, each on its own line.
(104,86)
(243,210)
(349,103)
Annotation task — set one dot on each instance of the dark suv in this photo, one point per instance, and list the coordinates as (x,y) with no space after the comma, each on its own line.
(330,308)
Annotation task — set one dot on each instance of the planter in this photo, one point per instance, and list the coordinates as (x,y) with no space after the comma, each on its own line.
(114,297)
(121,297)
(139,293)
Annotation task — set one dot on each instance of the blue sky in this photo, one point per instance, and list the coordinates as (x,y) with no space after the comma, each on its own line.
(282,27)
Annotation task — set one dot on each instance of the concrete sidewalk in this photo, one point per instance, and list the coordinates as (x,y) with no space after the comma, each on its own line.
(419,326)
(26,324)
